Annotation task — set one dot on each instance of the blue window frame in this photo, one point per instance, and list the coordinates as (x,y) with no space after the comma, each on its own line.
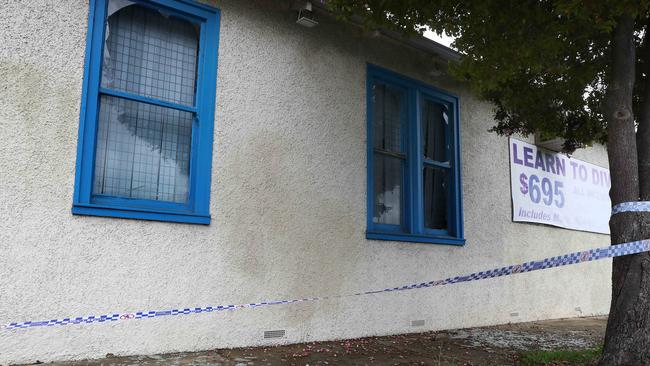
(147,111)
(414,188)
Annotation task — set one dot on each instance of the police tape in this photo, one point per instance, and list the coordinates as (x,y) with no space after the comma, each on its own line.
(557,261)
(636,206)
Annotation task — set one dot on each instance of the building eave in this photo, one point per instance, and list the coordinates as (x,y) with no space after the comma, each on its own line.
(418,42)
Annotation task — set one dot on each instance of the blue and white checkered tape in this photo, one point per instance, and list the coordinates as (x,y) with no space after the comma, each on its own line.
(638,206)
(557,261)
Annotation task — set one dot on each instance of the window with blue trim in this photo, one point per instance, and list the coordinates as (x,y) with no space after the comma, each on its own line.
(147,114)
(414,185)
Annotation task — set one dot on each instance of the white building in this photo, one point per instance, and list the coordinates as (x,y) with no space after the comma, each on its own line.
(161,154)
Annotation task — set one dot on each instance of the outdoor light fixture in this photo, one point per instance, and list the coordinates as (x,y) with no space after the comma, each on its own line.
(306,16)
(551,143)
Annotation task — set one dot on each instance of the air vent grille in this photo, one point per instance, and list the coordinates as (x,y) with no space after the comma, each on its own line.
(274,334)
(417,323)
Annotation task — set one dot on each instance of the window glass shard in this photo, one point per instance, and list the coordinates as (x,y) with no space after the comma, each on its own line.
(150,54)
(388,115)
(434,130)
(435,198)
(143,151)
(388,182)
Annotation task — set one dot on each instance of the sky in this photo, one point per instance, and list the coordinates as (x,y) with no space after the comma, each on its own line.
(443,39)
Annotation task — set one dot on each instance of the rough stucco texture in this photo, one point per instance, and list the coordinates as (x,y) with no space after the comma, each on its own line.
(288,204)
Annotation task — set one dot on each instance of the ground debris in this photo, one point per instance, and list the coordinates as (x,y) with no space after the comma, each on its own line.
(500,345)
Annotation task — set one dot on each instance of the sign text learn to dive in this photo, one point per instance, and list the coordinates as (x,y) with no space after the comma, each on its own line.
(554,189)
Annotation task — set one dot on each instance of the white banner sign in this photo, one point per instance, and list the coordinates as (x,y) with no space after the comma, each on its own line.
(554,189)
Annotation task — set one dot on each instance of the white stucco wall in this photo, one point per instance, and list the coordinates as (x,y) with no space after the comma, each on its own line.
(288,204)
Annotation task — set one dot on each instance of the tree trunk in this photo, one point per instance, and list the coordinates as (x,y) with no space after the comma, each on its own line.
(627,340)
(643,132)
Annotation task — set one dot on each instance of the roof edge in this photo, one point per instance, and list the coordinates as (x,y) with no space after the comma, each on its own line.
(419,42)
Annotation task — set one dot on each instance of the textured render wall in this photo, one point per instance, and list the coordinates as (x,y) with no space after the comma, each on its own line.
(288,204)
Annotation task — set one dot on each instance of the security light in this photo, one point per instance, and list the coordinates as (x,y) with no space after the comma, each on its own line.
(306,16)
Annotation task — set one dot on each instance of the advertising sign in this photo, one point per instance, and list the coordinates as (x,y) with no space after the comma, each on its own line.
(554,189)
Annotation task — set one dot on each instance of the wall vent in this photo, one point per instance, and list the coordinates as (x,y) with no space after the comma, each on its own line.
(268,334)
(514,314)
(417,323)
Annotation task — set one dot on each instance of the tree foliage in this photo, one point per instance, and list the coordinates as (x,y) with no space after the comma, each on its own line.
(576,69)
(543,64)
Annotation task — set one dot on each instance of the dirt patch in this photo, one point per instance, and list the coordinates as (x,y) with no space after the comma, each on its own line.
(499,345)
(549,335)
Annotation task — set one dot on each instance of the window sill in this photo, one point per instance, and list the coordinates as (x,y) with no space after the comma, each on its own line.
(134,213)
(444,240)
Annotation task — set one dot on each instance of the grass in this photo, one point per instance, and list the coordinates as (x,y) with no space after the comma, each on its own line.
(582,357)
